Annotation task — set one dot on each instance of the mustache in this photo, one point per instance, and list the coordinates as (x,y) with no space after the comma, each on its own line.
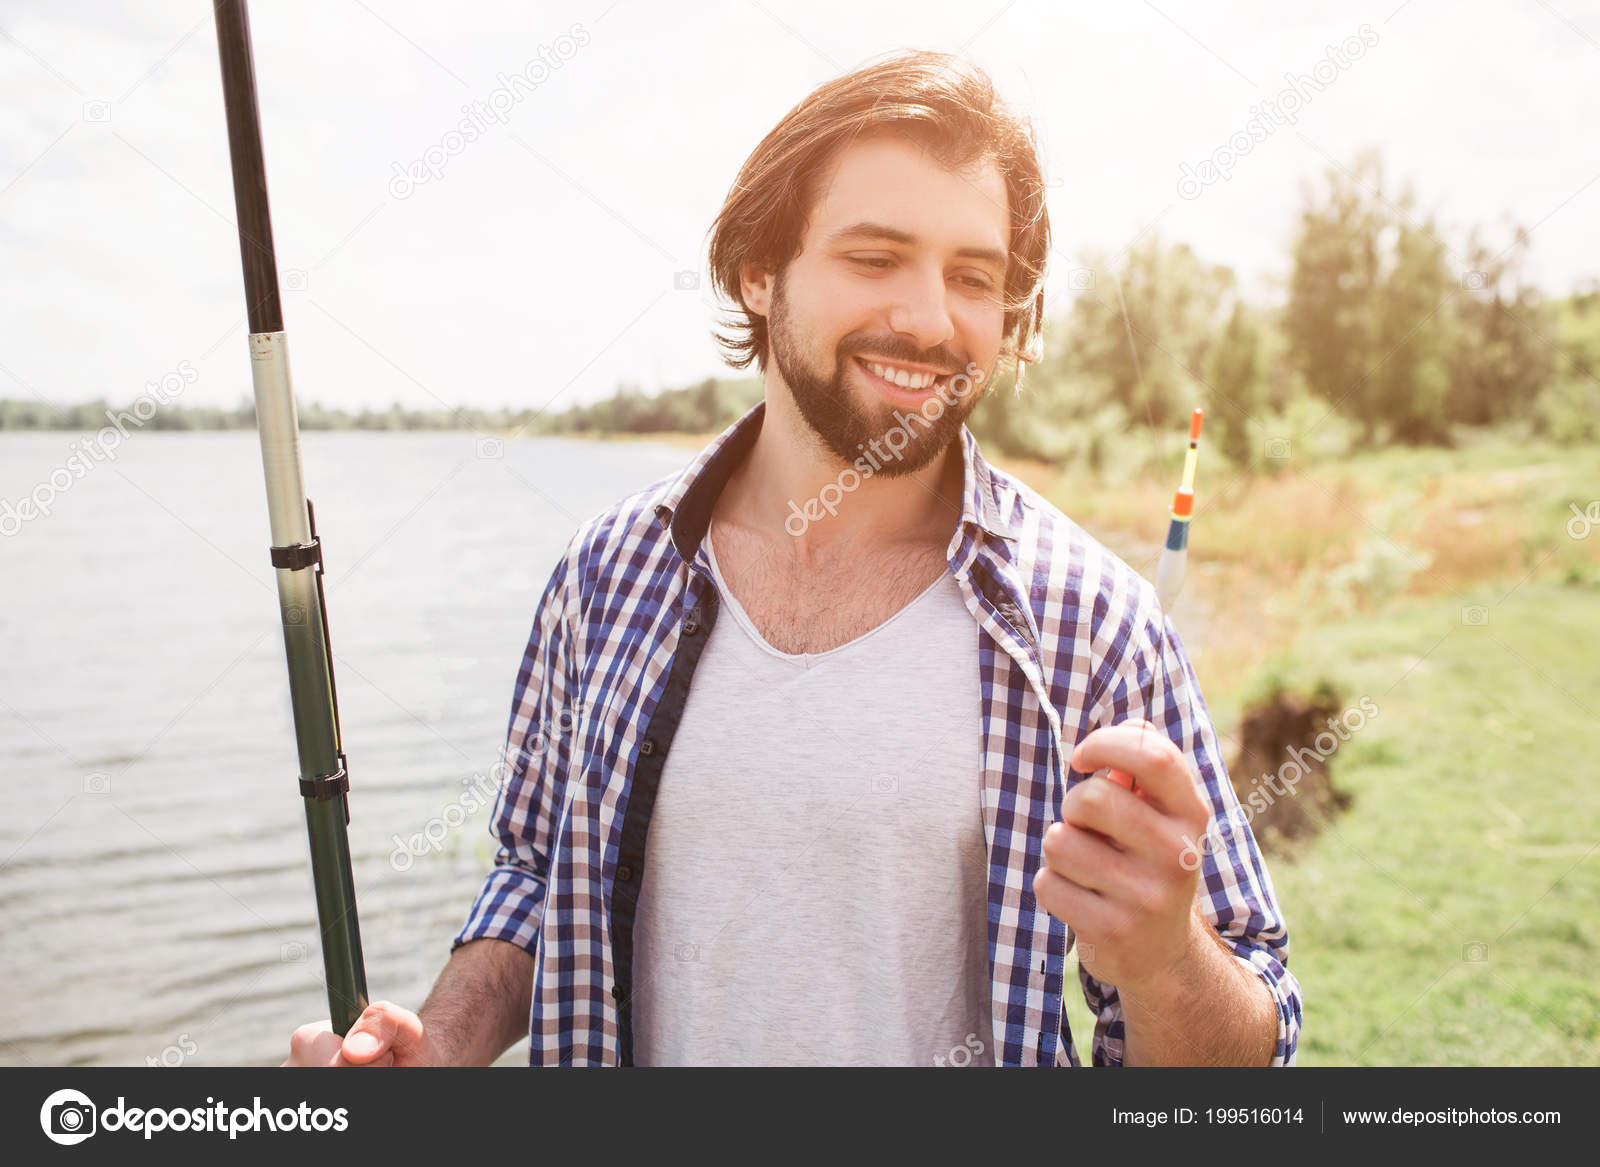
(891,350)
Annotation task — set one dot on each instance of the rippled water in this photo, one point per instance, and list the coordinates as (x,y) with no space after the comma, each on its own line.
(155,889)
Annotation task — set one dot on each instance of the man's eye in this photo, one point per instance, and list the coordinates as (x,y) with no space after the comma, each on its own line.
(879,263)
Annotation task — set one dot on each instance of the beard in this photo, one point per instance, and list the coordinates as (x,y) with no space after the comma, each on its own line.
(828,404)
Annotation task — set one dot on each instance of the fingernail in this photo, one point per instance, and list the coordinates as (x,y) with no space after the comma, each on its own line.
(361,1044)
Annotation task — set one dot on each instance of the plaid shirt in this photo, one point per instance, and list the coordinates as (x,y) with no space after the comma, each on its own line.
(1068,639)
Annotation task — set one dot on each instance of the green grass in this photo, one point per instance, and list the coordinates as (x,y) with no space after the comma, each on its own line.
(1476,814)
(1329,539)
(1476,821)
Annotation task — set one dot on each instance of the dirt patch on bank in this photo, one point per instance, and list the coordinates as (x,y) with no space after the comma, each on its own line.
(1280,777)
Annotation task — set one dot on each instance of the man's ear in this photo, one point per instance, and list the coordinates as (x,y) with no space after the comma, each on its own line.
(755,284)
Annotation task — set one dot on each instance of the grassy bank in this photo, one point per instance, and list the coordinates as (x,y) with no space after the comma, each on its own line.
(1448,917)
(1277,556)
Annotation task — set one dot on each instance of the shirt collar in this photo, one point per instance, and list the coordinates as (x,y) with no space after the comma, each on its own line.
(684,504)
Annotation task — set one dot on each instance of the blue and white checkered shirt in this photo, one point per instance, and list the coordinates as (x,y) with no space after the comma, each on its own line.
(1068,639)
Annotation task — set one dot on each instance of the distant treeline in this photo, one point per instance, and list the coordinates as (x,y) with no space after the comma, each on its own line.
(1390,333)
(707,407)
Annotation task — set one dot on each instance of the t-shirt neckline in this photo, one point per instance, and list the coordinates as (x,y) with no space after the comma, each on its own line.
(805,659)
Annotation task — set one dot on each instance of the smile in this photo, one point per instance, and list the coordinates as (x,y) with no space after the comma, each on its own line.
(901,378)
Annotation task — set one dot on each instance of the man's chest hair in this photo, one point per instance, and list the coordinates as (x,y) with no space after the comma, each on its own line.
(817,606)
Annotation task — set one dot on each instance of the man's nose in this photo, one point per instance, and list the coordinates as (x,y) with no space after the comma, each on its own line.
(921,311)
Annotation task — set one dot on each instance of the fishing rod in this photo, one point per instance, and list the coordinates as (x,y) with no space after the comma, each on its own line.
(296,552)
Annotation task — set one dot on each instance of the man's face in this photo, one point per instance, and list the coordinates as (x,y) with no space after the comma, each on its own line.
(902,267)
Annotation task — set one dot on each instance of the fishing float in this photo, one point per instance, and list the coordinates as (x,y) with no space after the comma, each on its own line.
(1170,571)
(1174,562)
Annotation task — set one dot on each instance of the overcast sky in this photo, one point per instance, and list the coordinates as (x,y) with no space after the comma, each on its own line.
(538,264)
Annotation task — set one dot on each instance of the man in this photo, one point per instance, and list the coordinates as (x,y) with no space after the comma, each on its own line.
(805,746)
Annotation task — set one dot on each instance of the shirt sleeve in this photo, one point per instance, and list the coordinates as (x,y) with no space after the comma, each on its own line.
(1235,891)
(532,780)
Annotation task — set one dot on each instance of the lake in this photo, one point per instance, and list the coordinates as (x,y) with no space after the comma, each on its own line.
(155,882)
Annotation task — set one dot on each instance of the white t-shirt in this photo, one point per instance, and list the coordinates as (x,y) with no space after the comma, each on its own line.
(815,873)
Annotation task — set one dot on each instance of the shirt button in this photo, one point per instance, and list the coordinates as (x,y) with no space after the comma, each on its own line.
(691,626)
(625,873)
(648,747)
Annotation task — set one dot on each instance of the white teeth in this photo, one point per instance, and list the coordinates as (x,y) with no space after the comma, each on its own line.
(902,378)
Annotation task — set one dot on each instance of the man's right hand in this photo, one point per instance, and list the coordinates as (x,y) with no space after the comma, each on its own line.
(384,1035)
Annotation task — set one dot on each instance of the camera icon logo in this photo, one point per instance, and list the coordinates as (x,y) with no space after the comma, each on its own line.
(294,952)
(294,615)
(97,783)
(884,784)
(97,111)
(491,448)
(295,280)
(68,1117)
(686,281)
(1474,281)
(1475,616)
(686,952)
(1475,951)
(1277,449)
(1080,279)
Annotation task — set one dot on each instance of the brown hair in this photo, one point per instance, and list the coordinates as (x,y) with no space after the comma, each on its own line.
(940,100)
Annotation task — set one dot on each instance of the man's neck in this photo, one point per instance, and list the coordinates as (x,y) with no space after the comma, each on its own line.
(788,469)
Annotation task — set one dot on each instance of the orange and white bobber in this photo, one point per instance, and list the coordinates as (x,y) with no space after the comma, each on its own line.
(1175,555)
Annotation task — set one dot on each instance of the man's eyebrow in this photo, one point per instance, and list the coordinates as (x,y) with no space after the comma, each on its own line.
(868,230)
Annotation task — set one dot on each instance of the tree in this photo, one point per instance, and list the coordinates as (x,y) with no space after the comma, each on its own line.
(1569,408)
(1330,320)
(1505,354)
(1415,333)
(1142,336)
(1238,390)
(1369,322)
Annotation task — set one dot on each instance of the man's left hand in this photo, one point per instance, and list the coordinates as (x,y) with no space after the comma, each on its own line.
(1115,868)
